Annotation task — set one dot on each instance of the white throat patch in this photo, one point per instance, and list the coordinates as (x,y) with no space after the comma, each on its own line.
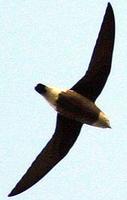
(52,95)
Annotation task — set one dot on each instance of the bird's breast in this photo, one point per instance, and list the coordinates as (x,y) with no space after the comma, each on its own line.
(77,107)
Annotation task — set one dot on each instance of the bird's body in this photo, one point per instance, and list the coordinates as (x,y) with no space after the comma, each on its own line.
(74,106)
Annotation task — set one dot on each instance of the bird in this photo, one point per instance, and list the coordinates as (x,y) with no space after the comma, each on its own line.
(75,106)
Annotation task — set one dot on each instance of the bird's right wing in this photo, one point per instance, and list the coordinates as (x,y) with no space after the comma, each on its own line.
(65,135)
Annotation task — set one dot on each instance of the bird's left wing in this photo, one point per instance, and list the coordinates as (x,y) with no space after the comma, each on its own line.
(98,71)
(65,135)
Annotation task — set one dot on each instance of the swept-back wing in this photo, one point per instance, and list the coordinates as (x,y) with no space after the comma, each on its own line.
(64,137)
(96,76)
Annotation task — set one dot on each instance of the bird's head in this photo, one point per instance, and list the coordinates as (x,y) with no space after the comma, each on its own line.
(41,89)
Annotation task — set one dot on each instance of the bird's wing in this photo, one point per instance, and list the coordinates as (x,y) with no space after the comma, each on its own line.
(95,78)
(65,135)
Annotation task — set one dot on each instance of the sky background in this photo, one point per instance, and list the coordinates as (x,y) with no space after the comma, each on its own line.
(51,42)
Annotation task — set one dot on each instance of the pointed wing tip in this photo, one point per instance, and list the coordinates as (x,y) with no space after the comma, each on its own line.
(15,192)
(109,4)
(11,194)
(109,7)
(110,14)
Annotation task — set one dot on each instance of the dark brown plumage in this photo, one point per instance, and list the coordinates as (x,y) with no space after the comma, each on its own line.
(67,130)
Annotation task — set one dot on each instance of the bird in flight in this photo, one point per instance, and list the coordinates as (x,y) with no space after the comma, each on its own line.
(75,106)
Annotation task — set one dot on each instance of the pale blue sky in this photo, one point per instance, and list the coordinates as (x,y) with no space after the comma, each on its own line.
(52,42)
